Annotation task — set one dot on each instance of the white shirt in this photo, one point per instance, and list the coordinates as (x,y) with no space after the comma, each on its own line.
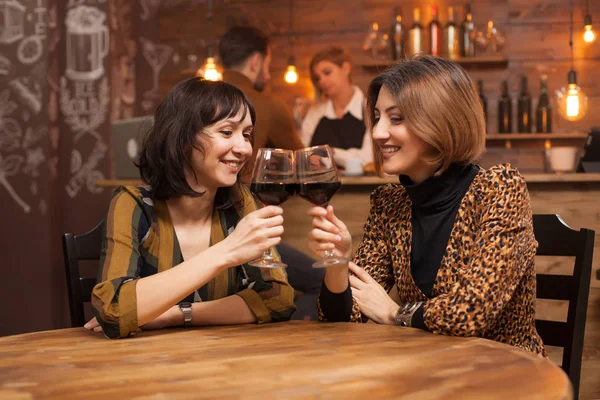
(325,109)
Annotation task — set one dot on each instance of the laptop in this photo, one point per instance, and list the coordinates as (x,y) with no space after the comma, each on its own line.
(127,138)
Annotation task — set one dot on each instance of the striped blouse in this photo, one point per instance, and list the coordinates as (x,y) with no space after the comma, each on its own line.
(140,241)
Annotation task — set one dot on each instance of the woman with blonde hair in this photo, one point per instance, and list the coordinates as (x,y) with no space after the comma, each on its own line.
(338,120)
(456,239)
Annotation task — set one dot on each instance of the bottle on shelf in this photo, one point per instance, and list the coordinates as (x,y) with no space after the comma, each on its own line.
(416,35)
(450,42)
(435,33)
(483,100)
(397,34)
(467,34)
(543,111)
(504,110)
(524,108)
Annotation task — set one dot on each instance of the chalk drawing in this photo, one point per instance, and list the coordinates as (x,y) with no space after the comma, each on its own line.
(87,43)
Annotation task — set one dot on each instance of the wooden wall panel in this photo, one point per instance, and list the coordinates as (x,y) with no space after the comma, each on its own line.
(536,41)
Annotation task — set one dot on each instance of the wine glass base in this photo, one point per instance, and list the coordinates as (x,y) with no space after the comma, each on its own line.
(267,264)
(331,262)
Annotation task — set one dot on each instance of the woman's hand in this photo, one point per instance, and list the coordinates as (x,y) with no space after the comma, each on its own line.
(93,325)
(373,300)
(255,233)
(328,233)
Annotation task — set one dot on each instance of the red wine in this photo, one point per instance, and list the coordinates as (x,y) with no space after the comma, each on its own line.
(319,193)
(273,194)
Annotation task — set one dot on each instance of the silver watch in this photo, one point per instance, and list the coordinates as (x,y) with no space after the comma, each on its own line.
(405,313)
(186,309)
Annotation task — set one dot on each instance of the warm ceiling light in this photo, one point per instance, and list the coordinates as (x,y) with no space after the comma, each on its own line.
(291,75)
(589,35)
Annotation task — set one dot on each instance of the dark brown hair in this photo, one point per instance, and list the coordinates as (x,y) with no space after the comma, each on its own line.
(190,107)
(239,43)
(440,105)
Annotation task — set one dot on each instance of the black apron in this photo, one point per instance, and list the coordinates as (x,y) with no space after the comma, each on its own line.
(344,133)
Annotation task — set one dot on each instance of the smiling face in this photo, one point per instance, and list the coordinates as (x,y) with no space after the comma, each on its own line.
(330,78)
(227,147)
(403,152)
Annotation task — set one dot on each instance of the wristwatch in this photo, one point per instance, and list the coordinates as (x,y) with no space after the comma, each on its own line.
(404,314)
(186,309)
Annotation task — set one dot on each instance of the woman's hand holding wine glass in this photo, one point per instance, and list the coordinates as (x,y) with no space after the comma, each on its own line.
(329,233)
(255,234)
(318,181)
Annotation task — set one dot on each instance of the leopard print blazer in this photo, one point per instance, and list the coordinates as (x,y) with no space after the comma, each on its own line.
(486,283)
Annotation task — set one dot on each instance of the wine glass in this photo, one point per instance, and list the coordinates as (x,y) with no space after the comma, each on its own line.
(318,180)
(273,182)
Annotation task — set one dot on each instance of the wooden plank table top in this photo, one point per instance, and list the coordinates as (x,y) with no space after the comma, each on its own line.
(297,359)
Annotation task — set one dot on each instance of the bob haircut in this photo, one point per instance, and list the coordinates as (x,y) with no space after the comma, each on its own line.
(440,105)
(191,106)
(334,54)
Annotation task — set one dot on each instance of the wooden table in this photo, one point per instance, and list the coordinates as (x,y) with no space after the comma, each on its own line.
(272,361)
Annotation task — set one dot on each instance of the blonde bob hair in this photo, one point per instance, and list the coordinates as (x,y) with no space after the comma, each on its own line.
(440,105)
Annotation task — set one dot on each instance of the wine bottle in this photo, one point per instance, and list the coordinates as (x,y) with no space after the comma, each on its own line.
(416,34)
(505,110)
(397,36)
(467,34)
(435,33)
(483,100)
(524,108)
(450,46)
(543,112)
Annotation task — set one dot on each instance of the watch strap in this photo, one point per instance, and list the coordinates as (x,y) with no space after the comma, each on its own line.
(186,309)
(405,312)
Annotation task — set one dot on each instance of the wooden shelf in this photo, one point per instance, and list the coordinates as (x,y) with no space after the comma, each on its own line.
(466,62)
(536,136)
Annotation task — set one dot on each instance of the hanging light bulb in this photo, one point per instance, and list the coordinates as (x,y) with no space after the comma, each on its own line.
(589,35)
(209,70)
(572,102)
(291,76)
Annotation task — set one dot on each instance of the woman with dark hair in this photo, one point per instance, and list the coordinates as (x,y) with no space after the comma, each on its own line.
(175,250)
(338,119)
(455,239)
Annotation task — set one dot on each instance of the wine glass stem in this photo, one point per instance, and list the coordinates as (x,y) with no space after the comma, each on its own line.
(267,255)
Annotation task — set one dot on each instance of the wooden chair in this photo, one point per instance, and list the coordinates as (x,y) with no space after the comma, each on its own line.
(75,248)
(556,238)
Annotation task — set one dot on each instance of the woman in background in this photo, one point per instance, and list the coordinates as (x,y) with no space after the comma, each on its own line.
(455,239)
(338,120)
(175,250)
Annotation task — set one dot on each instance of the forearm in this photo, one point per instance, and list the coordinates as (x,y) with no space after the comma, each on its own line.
(155,294)
(226,311)
(336,279)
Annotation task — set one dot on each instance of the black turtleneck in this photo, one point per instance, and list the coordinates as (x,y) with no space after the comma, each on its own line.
(435,202)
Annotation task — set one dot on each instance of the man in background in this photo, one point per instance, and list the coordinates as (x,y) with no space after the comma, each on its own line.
(246,56)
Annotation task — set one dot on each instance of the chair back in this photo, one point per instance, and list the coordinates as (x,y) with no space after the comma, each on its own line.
(75,248)
(555,238)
